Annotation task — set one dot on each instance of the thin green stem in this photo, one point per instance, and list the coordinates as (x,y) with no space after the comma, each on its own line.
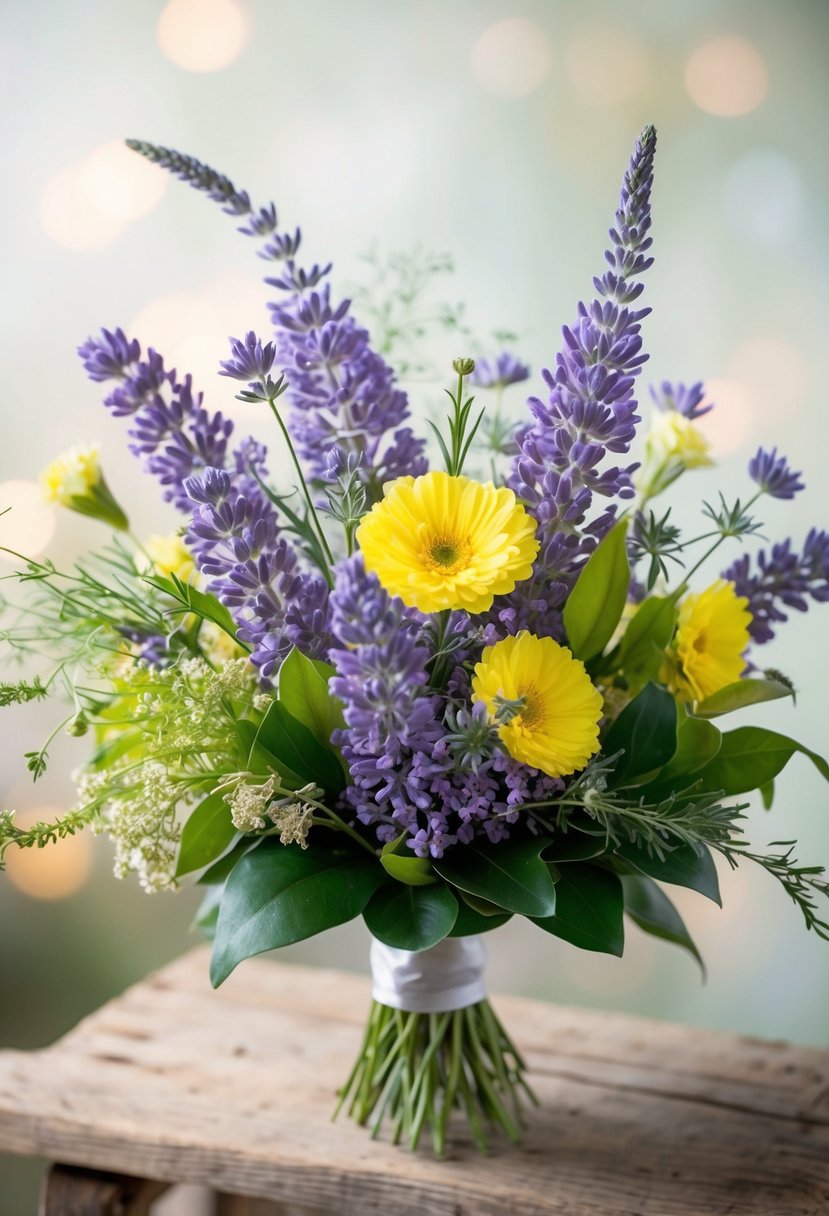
(307,493)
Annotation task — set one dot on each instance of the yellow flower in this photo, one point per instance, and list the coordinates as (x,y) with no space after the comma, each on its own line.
(673,443)
(73,474)
(75,480)
(448,542)
(170,555)
(711,635)
(548,709)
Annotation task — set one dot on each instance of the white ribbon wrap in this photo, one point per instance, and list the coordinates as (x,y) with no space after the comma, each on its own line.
(447,977)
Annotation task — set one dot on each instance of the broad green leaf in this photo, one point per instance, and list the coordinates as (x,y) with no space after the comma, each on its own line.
(201,603)
(646,732)
(510,874)
(683,866)
(750,757)
(413,871)
(279,894)
(246,736)
(207,913)
(740,694)
(643,644)
(219,871)
(206,834)
(296,751)
(411,918)
(575,846)
(589,909)
(485,907)
(697,743)
(471,922)
(594,606)
(649,907)
(303,690)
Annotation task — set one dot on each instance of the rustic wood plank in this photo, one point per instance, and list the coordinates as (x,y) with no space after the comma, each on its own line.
(234,1090)
(72,1191)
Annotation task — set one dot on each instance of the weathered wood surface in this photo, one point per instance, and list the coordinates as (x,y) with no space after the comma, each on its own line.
(235,1089)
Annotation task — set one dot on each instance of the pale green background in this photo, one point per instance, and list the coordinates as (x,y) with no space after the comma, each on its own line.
(370,122)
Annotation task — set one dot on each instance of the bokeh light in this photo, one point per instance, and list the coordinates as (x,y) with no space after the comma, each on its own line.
(512,57)
(606,64)
(87,205)
(773,371)
(189,332)
(726,76)
(730,425)
(29,525)
(54,872)
(203,35)
(764,197)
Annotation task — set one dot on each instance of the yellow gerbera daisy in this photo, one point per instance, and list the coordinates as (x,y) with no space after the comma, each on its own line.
(448,542)
(711,635)
(548,709)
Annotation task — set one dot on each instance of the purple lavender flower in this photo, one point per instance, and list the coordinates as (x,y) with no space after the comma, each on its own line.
(782,578)
(249,359)
(169,427)
(686,399)
(773,475)
(499,372)
(253,570)
(340,390)
(590,411)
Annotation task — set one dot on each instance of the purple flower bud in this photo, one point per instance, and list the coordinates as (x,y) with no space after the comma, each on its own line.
(772,474)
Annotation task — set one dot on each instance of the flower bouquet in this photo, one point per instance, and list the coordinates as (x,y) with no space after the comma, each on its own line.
(428,698)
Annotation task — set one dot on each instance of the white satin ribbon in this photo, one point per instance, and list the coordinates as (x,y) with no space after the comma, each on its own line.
(448,976)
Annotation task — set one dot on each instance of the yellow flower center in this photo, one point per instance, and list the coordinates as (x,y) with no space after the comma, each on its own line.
(449,554)
(532,716)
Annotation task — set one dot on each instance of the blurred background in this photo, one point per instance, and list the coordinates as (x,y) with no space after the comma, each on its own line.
(496,133)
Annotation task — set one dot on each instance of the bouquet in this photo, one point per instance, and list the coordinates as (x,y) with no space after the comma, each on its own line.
(434,697)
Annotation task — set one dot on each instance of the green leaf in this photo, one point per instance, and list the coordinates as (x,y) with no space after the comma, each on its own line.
(510,874)
(295,751)
(218,872)
(303,690)
(698,742)
(411,918)
(471,922)
(683,866)
(484,907)
(413,871)
(246,736)
(206,834)
(649,907)
(646,731)
(575,846)
(589,909)
(207,913)
(594,606)
(279,894)
(767,794)
(201,603)
(750,757)
(646,638)
(740,694)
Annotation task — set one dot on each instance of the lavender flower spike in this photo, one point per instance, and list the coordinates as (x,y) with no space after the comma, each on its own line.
(500,372)
(381,680)
(254,571)
(772,474)
(783,578)
(590,411)
(684,399)
(169,427)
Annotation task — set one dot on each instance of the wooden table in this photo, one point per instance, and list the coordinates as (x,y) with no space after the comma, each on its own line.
(173,1083)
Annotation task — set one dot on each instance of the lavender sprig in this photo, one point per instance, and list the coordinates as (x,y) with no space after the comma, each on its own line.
(685,399)
(340,390)
(590,411)
(773,474)
(782,578)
